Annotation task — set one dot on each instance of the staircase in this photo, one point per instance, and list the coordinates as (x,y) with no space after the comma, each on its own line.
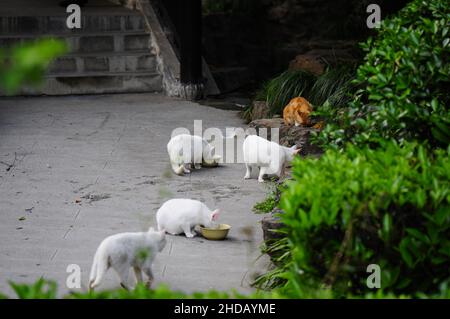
(110,53)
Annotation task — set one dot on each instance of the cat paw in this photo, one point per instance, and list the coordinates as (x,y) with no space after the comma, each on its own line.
(197,166)
(261,180)
(190,235)
(247,177)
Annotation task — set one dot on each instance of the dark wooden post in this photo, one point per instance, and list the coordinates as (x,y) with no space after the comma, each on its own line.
(189,29)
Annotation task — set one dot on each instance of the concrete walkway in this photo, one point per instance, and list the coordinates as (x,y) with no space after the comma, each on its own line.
(109,151)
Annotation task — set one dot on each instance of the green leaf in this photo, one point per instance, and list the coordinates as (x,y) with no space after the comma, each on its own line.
(418,235)
(406,256)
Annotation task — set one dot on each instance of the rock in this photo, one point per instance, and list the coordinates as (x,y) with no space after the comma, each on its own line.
(280,12)
(309,63)
(300,136)
(288,135)
(260,110)
(323,44)
(269,224)
(263,126)
(333,56)
(267,123)
(319,53)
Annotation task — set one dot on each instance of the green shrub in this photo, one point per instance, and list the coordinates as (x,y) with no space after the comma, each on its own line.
(388,207)
(404,82)
(41,289)
(160,292)
(47,289)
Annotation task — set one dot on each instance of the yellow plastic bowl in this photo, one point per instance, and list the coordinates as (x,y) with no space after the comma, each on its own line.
(218,233)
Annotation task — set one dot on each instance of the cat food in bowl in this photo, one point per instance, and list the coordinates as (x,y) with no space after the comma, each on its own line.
(218,233)
(214,164)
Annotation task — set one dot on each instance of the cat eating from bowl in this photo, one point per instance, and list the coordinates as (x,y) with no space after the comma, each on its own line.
(179,215)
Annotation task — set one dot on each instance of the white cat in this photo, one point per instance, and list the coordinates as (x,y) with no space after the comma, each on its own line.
(125,250)
(186,150)
(179,215)
(269,156)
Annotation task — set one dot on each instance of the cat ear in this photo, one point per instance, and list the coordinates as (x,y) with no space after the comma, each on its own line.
(294,147)
(297,151)
(215,215)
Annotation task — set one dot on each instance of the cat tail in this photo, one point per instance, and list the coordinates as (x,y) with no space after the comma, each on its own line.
(99,268)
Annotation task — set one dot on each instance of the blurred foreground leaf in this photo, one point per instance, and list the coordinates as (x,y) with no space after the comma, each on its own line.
(26,63)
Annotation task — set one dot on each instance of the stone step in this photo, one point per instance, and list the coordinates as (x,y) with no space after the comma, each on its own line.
(97,83)
(99,74)
(17,25)
(111,53)
(52,8)
(139,60)
(89,41)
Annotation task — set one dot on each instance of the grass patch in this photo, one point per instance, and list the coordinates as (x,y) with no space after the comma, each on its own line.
(333,88)
(279,250)
(280,90)
(272,199)
(266,206)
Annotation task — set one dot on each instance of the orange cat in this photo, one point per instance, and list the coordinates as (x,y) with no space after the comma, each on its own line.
(297,112)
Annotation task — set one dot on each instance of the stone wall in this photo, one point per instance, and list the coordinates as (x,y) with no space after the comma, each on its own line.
(266,38)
